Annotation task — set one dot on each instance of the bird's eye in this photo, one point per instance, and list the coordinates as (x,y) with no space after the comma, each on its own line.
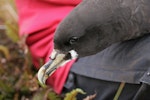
(73,40)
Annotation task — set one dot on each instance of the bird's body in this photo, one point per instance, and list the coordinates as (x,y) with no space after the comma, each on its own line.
(95,25)
(100,23)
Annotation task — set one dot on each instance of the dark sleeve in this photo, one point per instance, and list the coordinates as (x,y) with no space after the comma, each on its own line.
(127,62)
(144,90)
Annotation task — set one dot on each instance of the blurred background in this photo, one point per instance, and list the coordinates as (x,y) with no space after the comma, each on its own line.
(17,77)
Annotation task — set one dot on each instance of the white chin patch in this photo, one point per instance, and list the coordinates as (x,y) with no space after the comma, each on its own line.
(74,54)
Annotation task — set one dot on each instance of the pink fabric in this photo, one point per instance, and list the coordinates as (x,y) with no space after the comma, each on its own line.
(39,19)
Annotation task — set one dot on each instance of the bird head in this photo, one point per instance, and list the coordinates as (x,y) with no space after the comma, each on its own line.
(91,27)
(75,37)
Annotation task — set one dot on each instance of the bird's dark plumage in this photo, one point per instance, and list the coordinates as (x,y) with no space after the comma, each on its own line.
(96,24)
(93,26)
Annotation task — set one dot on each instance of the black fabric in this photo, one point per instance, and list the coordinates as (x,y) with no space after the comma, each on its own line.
(146,77)
(122,62)
(102,73)
(143,92)
(106,90)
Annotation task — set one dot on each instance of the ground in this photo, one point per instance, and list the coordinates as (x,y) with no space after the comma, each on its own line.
(18,79)
(17,75)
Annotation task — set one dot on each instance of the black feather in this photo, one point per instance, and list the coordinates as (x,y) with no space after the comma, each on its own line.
(101,23)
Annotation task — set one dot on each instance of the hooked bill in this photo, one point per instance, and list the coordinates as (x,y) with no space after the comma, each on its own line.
(57,60)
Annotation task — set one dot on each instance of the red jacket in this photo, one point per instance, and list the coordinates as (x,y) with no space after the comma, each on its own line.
(39,19)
